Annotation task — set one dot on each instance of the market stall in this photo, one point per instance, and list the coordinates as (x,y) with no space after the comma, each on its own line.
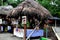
(36,17)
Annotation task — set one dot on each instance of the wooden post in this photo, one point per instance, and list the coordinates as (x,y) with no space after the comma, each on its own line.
(24,31)
(24,23)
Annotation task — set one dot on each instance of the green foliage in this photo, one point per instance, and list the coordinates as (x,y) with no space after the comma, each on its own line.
(5,3)
(53,8)
(14,3)
(1,2)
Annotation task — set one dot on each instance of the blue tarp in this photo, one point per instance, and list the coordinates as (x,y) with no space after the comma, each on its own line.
(36,33)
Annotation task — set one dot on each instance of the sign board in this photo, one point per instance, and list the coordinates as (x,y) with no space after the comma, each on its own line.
(19,32)
(0,21)
(24,20)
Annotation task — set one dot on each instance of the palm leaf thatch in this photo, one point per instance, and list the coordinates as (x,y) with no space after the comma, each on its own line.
(31,7)
(5,10)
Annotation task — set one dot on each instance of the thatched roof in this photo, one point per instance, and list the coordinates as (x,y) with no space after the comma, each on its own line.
(31,7)
(5,10)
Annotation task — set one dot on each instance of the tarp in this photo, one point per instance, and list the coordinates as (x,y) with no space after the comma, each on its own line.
(20,32)
(36,33)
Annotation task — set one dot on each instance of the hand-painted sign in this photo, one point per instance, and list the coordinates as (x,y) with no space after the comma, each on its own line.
(23,19)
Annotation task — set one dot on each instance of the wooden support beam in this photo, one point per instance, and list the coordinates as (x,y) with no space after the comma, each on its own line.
(24,31)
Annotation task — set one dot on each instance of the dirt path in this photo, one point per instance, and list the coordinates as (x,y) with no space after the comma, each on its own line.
(8,36)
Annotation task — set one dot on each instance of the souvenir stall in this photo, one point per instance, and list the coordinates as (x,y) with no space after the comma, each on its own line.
(4,23)
(31,17)
(36,19)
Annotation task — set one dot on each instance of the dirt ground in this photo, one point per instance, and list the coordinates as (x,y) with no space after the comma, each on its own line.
(8,36)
